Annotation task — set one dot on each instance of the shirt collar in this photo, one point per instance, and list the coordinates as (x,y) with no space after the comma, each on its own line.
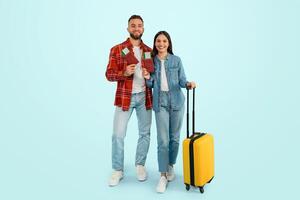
(129,45)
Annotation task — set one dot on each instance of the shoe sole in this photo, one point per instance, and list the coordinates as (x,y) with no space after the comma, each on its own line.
(116,184)
(142,180)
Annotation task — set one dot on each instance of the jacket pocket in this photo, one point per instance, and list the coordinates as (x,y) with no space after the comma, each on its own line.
(173,76)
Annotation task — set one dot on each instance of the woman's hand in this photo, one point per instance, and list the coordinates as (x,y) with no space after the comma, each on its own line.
(146,74)
(191,85)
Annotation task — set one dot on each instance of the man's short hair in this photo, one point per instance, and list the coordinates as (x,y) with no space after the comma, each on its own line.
(135,17)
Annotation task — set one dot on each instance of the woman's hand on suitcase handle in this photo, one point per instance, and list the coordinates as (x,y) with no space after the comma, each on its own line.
(191,85)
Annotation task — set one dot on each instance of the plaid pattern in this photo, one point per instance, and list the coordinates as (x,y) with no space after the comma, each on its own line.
(115,70)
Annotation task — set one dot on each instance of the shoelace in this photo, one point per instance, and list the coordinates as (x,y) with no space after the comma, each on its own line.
(162,181)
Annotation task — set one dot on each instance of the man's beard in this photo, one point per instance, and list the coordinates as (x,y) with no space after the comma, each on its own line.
(136,37)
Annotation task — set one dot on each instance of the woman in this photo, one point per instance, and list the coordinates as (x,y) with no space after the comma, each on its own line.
(168,104)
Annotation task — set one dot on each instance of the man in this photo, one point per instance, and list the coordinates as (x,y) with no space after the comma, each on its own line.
(126,63)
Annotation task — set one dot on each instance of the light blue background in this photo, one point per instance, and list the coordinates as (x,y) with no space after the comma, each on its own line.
(56,107)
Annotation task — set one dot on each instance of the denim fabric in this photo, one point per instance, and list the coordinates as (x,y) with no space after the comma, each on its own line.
(121,119)
(176,80)
(168,124)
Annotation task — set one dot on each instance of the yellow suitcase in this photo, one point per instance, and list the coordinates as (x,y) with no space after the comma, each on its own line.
(198,155)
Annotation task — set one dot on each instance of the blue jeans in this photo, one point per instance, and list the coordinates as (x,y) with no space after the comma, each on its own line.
(121,119)
(168,124)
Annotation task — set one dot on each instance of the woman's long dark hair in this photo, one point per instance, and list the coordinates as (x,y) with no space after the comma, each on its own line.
(169,50)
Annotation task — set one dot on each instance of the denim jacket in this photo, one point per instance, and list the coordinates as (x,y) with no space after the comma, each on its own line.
(176,80)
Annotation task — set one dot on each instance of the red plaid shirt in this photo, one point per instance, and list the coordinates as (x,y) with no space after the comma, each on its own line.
(115,70)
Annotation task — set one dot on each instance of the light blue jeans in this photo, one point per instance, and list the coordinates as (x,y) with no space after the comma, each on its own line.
(121,119)
(168,124)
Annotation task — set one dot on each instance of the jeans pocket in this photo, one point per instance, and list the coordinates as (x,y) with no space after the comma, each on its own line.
(141,98)
(164,99)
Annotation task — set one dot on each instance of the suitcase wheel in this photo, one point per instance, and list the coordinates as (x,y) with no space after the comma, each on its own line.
(187,187)
(201,189)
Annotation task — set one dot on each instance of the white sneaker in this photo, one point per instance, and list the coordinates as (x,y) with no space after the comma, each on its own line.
(170,173)
(115,178)
(162,185)
(141,173)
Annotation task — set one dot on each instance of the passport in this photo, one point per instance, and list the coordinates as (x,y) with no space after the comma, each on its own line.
(147,62)
(129,56)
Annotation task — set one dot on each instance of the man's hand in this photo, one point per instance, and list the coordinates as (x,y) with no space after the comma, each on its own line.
(191,85)
(146,74)
(129,70)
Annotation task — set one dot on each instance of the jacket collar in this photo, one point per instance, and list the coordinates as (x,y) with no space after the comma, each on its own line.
(167,58)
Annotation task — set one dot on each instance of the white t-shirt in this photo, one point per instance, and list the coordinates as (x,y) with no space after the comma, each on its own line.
(138,79)
(163,77)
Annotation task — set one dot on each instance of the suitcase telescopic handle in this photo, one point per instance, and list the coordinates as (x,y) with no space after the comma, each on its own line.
(188,113)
